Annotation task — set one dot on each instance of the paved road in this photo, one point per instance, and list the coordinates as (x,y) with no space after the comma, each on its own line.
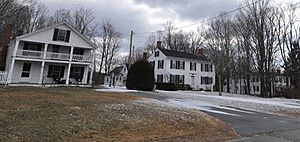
(252,126)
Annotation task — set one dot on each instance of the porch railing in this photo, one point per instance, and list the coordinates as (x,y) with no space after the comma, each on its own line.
(53,56)
(82,58)
(57,56)
(3,77)
(30,53)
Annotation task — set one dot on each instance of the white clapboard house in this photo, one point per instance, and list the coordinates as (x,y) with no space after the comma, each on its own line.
(183,68)
(117,77)
(239,85)
(54,55)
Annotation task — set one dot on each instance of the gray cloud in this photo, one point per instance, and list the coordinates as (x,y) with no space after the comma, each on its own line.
(146,15)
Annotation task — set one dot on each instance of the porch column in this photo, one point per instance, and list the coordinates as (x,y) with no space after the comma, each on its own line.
(92,68)
(45,51)
(43,64)
(13,60)
(71,53)
(42,73)
(68,73)
(85,75)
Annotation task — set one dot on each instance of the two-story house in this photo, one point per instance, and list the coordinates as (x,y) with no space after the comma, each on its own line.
(183,68)
(54,55)
(239,85)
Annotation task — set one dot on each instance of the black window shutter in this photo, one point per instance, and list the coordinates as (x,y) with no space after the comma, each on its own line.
(68,36)
(162,62)
(25,46)
(171,62)
(55,34)
(183,66)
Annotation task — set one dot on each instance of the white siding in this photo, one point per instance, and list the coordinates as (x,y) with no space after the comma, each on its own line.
(166,71)
(34,72)
(46,36)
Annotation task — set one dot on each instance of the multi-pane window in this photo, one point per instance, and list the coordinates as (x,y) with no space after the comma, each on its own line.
(32,46)
(78,51)
(55,48)
(177,79)
(26,70)
(156,54)
(159,78)
(61,35)
(177,65)
(192,66)
(152,63)
(56,71)
(160,64)
(182,65)
(172,64)
(206,80)
(206,67)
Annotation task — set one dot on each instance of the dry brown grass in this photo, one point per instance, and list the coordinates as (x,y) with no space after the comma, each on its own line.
(77,114)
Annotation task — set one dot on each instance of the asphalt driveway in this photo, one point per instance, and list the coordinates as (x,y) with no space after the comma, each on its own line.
(251,124)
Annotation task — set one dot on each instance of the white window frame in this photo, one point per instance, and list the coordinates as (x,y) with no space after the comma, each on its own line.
(61,35)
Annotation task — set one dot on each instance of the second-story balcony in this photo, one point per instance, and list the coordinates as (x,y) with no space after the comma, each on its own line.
(53,56)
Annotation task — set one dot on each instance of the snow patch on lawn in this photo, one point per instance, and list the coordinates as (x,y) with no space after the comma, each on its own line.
(117,89)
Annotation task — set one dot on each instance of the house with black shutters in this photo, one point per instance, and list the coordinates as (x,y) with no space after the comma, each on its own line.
(182,68)
(54,55)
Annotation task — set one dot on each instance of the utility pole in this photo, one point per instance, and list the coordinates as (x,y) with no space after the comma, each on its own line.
(130,50)
(132,58)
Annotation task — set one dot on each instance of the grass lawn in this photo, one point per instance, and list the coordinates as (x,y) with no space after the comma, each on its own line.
(77,114)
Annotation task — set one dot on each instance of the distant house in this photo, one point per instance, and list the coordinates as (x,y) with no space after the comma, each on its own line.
(239,86)
(54,55)
(117,77)
(183,68)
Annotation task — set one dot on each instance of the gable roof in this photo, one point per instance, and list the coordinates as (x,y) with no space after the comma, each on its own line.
(185,55)
(117,70)
(63,23)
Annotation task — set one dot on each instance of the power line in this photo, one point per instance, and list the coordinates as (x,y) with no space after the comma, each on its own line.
(205,20)
(203,8)
(188,14)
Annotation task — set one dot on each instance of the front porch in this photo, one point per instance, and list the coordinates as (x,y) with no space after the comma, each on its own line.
(49,73)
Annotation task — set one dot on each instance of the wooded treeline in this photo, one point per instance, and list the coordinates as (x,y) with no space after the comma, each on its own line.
(30,15)
(260,39)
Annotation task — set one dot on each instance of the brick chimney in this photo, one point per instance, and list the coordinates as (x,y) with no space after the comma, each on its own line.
(158,44)
(6,37)
(200,51)
(20,32)
(145,56)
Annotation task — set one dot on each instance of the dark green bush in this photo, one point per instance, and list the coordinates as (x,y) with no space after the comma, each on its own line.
(140,76)
(166,86)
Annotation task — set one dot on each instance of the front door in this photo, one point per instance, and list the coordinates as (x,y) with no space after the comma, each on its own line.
(193,81)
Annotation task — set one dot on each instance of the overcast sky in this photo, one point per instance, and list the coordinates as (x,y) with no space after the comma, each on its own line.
(148,15)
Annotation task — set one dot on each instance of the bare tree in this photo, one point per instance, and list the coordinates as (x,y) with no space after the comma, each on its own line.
(219,41)
(83,20)
(288,41)
(261,22)
(37,16)
(109,44)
